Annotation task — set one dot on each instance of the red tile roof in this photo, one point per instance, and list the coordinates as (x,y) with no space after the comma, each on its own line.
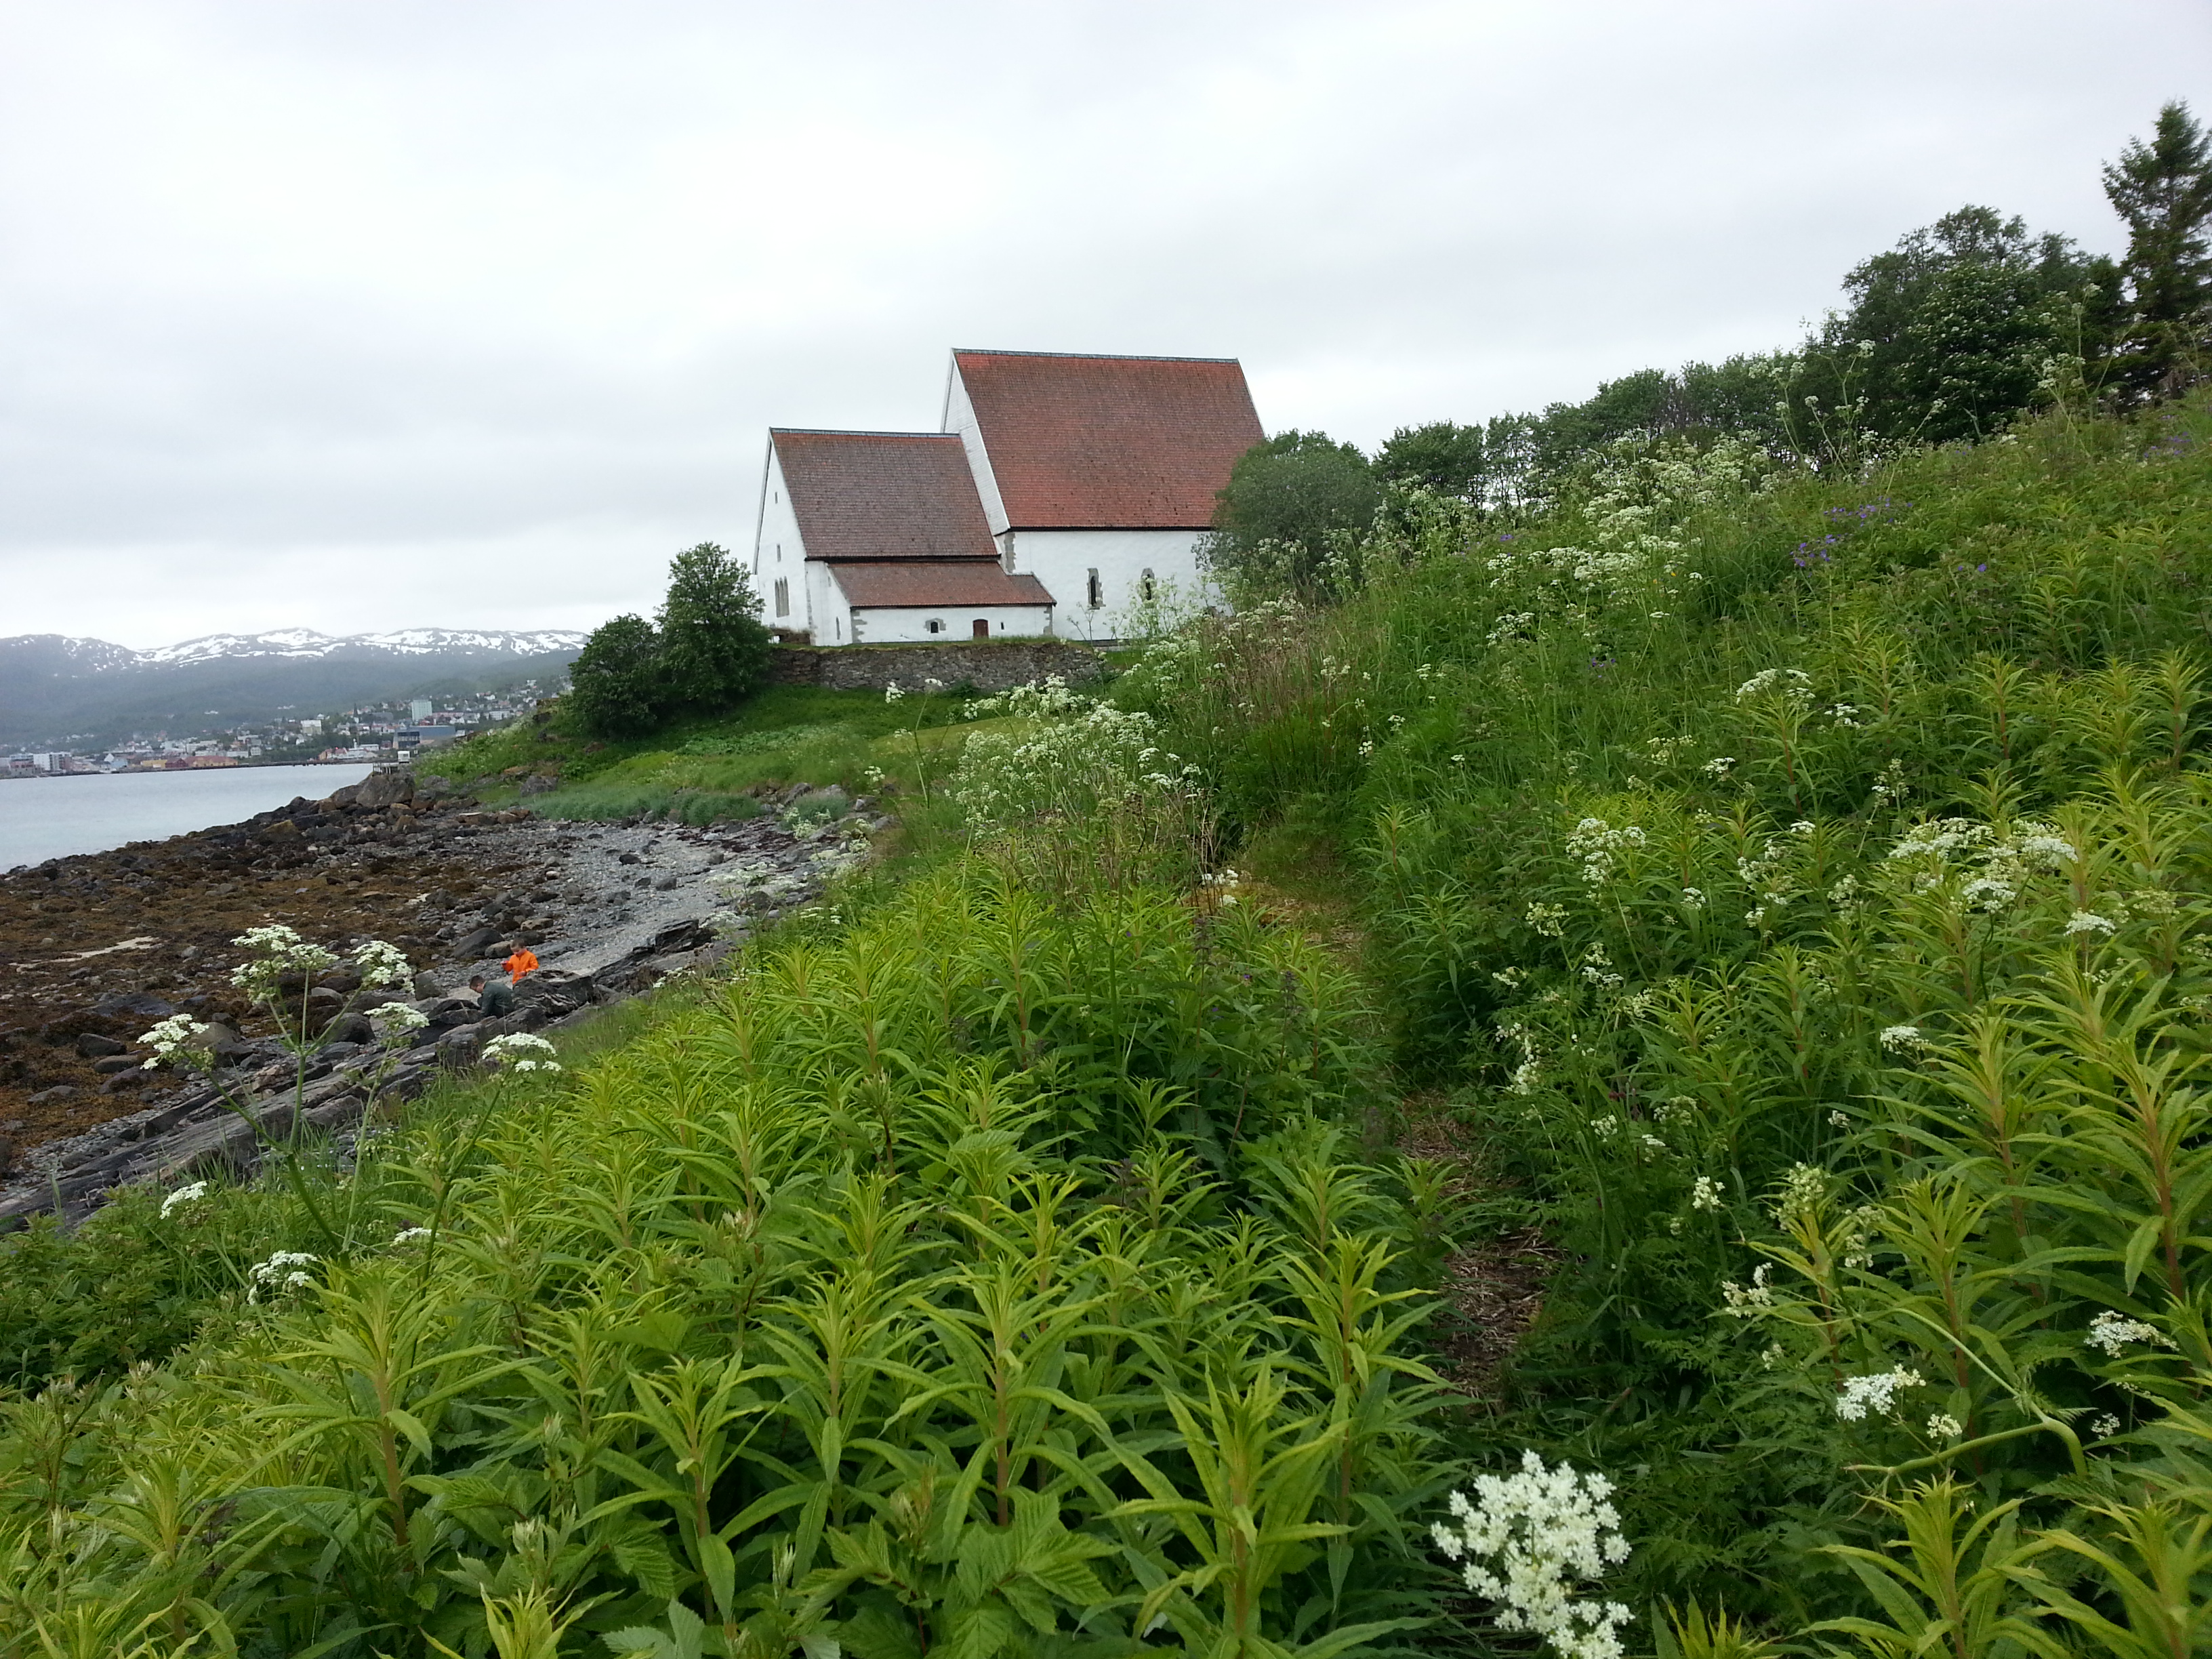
(927,584)
(883,495)
(1123,443)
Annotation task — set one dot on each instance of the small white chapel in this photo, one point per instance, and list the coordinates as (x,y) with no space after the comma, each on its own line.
(1060,494)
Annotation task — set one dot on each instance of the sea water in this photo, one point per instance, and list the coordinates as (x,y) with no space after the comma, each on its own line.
(43,818)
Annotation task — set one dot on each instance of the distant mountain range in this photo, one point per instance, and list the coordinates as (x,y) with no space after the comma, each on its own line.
(83,693)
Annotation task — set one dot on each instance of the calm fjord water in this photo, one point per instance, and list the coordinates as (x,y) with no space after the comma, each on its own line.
(43,818)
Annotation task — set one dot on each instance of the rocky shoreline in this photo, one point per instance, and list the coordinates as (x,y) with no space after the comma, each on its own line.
(94,948)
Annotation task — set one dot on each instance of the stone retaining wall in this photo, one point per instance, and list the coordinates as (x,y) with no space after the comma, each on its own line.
(976,665)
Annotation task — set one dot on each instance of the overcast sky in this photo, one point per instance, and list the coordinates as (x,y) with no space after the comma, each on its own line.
(396,313)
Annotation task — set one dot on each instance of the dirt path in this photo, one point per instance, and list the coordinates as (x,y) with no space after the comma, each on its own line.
(1492,1288)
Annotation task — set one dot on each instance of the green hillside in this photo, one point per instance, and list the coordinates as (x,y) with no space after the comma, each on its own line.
(1763,913)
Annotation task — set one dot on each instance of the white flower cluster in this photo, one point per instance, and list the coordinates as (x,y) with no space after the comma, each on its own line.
(1874,1394)
(1941,1425)
(2113,1331)
(182,1196)
(1903,1039)
(1528,1541)
(1223,884)
(1748,1301)
(274,952)
(518,1051)
(409,1236)
(1791,685)
(285,1270)
(2088,921)
(1995,866)
(1599,846)
(170,1039)
(1513,625)
(1705,1194)
(1549,920)
(382,965)
(1068,754)
(391,1021)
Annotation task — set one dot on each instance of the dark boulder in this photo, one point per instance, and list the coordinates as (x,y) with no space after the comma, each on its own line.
(134,1004)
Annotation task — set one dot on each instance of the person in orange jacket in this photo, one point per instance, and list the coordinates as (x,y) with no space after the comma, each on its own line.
(523,961)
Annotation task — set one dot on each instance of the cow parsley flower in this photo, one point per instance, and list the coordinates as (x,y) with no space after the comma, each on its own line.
(1719,766)
(2087,921)
(518,1051)
(1705,1194)
(1944,1426)
(2112,1332)
(1902,1039)
(1793,684)
(408,1235)
(170,1039)
(1875,1393)
(276,953)
(2105,1427)
(182,1196)
(382,965)
(285,1270)
(391,1021)
(1529,1540)
(1748,1301)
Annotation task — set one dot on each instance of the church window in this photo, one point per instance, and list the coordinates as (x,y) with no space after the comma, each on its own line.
(934,625)
(1148,590)
(1094,590)
(782,597)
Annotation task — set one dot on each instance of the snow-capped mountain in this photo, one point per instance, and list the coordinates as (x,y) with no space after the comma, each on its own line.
(306,642)
(55,689)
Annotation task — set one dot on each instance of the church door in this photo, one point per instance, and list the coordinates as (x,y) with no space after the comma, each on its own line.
(980,629)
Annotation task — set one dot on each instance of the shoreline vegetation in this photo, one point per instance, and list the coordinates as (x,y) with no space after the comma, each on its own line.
(1070,1191)
(1614,1062)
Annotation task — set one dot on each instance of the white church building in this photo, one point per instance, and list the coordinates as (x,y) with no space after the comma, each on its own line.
(1061,493)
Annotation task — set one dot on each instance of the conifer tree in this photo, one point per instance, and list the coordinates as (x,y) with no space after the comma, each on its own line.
(2163,190)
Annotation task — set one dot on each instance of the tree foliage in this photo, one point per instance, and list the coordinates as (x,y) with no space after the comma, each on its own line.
(1949,334)
(714,647)
(710,652)
(2163,192)
(1289,500)
(612,693)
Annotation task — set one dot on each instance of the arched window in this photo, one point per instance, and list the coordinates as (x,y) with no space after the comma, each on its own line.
(934,625)
(1094,590)
(1148,590)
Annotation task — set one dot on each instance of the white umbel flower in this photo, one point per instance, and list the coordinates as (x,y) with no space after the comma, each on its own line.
(1528,1541)
(285,1270)
(182,1196)
(1875,1395)
(518,1051)
(169,1040)
(2113,1331)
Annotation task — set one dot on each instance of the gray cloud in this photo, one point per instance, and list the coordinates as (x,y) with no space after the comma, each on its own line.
(368,315)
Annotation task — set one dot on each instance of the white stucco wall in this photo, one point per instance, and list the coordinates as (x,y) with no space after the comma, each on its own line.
(885,625)
(960,417)
(778,551)
(1063,559)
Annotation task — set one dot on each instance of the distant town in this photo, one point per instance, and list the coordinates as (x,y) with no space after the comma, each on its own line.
(379,732)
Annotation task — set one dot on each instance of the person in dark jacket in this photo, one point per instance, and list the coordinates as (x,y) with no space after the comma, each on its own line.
(493,999)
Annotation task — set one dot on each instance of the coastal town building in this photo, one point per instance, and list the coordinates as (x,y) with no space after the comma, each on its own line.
(1063,494)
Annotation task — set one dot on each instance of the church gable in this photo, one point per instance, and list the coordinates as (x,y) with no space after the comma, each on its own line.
(1105,443)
